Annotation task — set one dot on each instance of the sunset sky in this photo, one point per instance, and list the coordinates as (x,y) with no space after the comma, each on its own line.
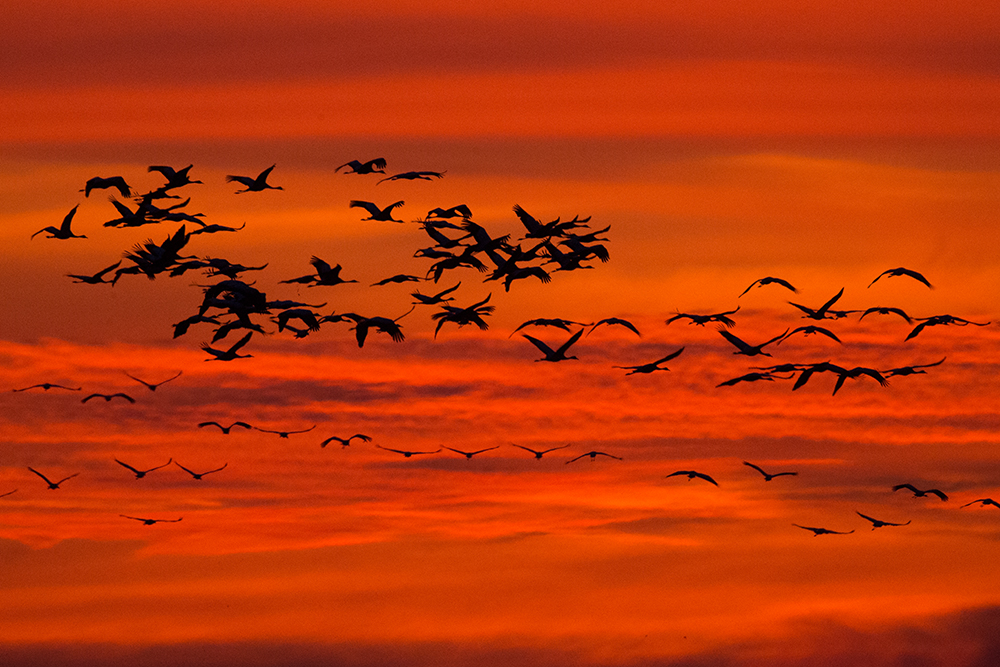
(823,143)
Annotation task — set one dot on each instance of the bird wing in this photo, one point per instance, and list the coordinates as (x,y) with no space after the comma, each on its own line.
(186,470)
(826,306)
(529,221)
(128,466)
(735,340)
(879,276)
(937,493)
(757,468)
(905,486)
(240,343)
(749,288)
(217,469)
(706,478)
(863,516)
(39,474)
(569,343)
(353,164)
(243,180)
(672,355)
(545,349)
(264,174)
(367,205)
(65,478)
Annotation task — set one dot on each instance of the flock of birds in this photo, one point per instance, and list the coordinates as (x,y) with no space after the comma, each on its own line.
(456,242)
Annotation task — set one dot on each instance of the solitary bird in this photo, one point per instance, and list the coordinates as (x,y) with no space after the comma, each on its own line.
(822,531)
(398,279)
(52,485)
(376,213)
(152,386)
(285,434)
(593,455)
(199,475)
(150,522)
(98,183)
(768,476)
(254,184)
(108,397)
(344,442)
(469,455)
(406,453)
(651,366)
(691,474)
(767,281)
(434,299)
(879,524)
(557,322)
(917,493)
(984,501)
(63,231)
(941,320)
(414,175)
(555,355)
(97,278)
(538,454)
(139,474)
(225,429)
(902,272)
(376,166)
(45,386)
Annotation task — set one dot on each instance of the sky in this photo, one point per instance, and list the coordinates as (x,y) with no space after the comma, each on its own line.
(823,144)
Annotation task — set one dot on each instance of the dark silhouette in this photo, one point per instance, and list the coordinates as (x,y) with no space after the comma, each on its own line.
(199,475)
(984,502)
(139,474)
(435,299)
(346,441)
(285,434)
(453,212)
(880,524)
(824,312)
(702,320)
(768,476)
(469,455)
(257,184)
(753,377)
(2,495)
(152,386)
(691,474)
(63,231)
(554,355)
(616,320)
(399,278)
(911,370)
(917,493)
(810,330)
(883,310)
(52,485)
(325,275)
(593,455)
(376,213)
(230,354)
(108,397)
(97,278)
(98,183)
(376,166)
(225,429)
(45,386)
(414,175)
(746,348)
(556,322)
(383,324)
(902,272)
(941,320)
(406,453)
(651,366)
(538,454)
(822,531)
(767,281)
(175,179)
(150,522)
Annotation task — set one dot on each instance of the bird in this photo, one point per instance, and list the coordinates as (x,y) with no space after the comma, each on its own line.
(822,531)
(941,320)
(616,320)
(150,522)
(231,353)
(285,434)
(702,320)
(917,493)
(902,272)
(8,493)
(434,299)
(911,370)
(63,231)
(691,474)
(52,485)
(984,501)
(857,372)
(823,312)
(97,278)
(747,349)
(885,310)
(413,175)
(453,212)
(175,178)
(556,322)
(225,429)
(554,355)
(768,476)
(45,386)
(108,397)
(651,366)
(376,213)
(406,453)
(879,524)
(199,475)
(152,386)
(767,281)
(399,278)
(469,455)
(593,455)
(376,166)
(98,183)
(325,275)
(257,184)
(810,330)
(346,441)
(539,454)
(388,326)
(752,377)
(139,474)
(464,316)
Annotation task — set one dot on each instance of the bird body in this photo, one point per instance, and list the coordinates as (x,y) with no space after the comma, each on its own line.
(902,272)
(691,474)
(539,454)
(225,429)
(346,441)
(653,365)
(768,476)
(63,231)
(139,474)
(108,397)
(413,176)
(917,493)
(257,184)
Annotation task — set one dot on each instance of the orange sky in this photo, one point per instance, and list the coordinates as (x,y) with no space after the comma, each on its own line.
(822,144)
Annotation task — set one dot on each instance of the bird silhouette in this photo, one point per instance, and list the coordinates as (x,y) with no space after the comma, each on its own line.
(175,178)
(651,366)
(397,279)
(810,330)
(768,281)
(539,454)
(822,531)
(139,474)
(97,278)
(616,320)
(52,485)
(902,272)
(558,354)
(885,310)
(434,299)
(702,320)
(753,377)
(917,493)
(199,475)
(98,183)
(911,370)
(376,213)
(414,175)
(346,441)
(63,231)
(108,397)
(257,184)
(593,454)
(768,476)
(230,354)
(225,429)
(376,166)
(747,349)
(556,322)
(984,502)
(691,474)
(879,524)
(823,312)
(469,455)
(285,434)
(453,212)
(150,522)
(406,453)
(383,324)
(152,386)
(45,386)
(464,316)
(941,320)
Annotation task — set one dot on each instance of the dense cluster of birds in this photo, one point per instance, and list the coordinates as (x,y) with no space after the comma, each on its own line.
(235,307)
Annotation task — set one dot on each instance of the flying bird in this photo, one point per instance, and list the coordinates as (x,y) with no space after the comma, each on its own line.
(399,278)
(434,299)
(453,212)
(175,178)
(376,213)
(414,175)
(285,434)
(376,166)
(45,386)
(556,322)
(902,272)
(199,475)
(52,485)
(538,454)
(691,474)
(108,397)
(139,474)
(383,324)
(325,275)
(152,386)
(97,278)
(225,429)
(747,349)
(150,522)
(346,441)
(702,320)
(984,501)
(941,320)
(810,330)
(554,355)
(230,354)
(469,455)
(768,476)
(767,281)
(98,183)
(593,455)
(824,312)
(651,366)
(885,310)
(752,377)
(257,184)
(911,370)
(63,231)
(879,524)
(917,493)
(406,453)
(616,320)
(822,531)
